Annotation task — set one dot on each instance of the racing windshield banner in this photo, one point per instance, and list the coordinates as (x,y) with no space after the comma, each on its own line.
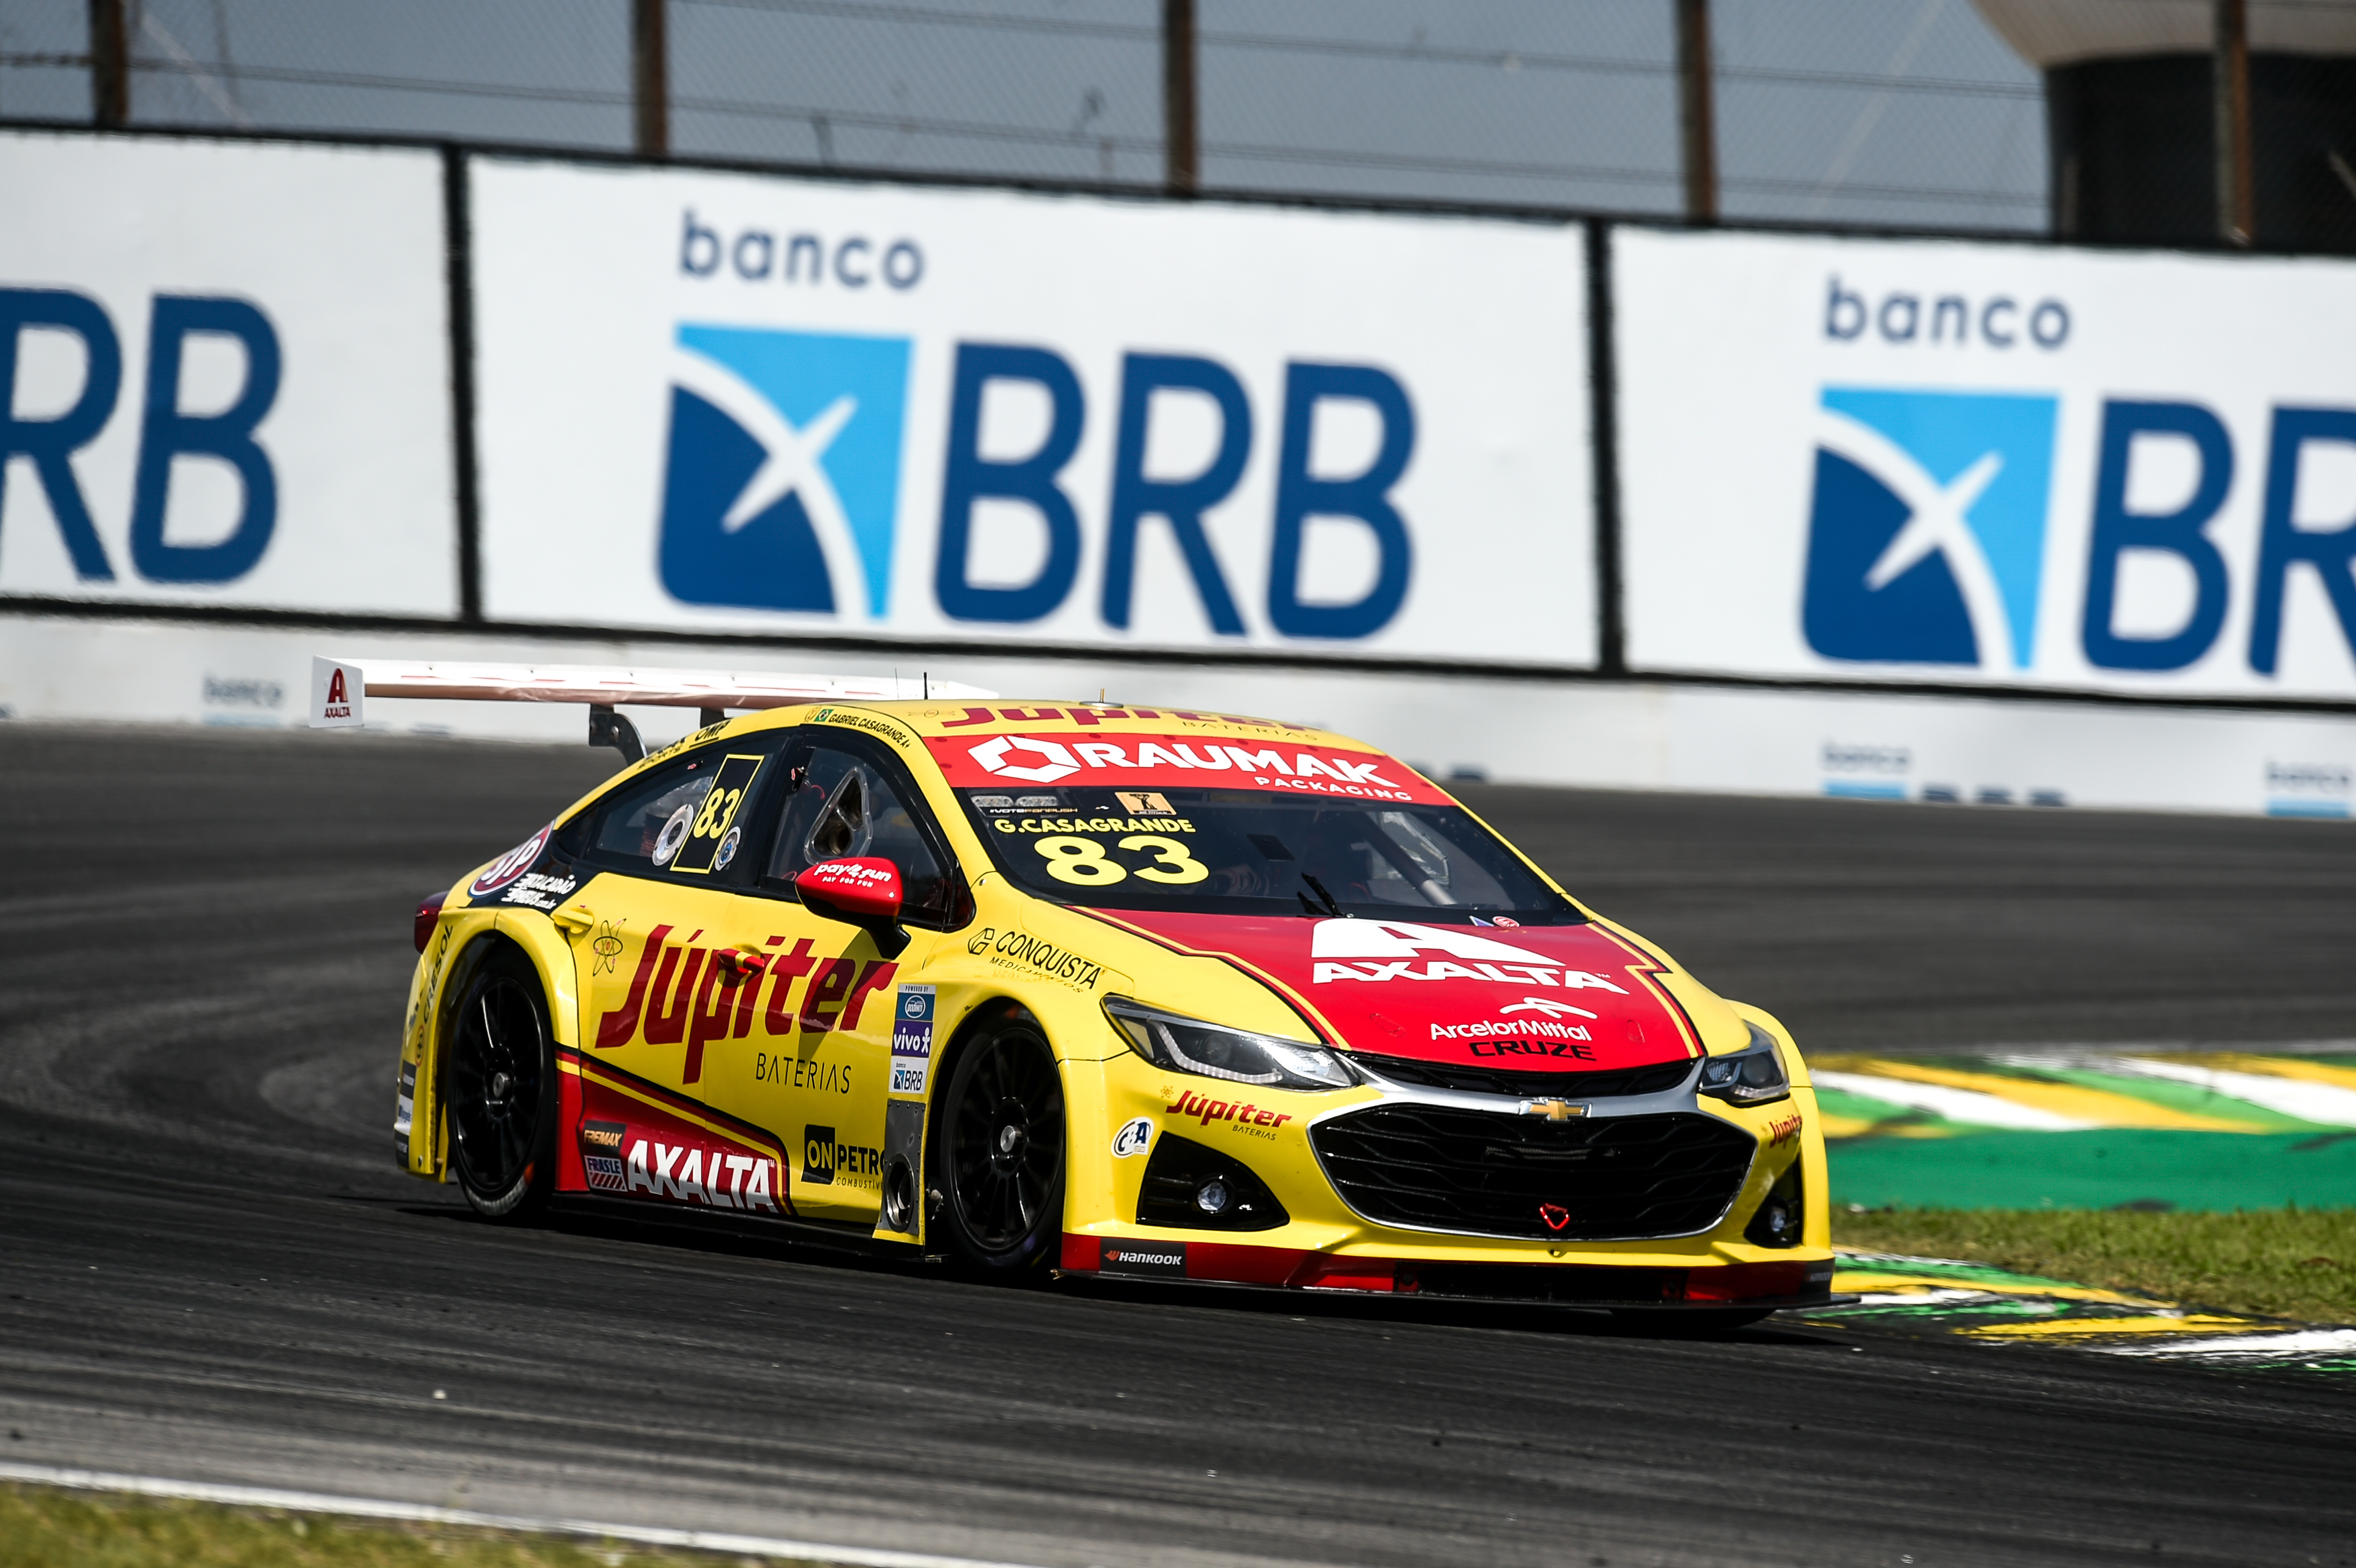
(225,375)
(730,402)
(1146,763)
(2001,464)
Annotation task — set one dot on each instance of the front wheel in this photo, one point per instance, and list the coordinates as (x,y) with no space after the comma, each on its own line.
(502,1089)
(1000,1153)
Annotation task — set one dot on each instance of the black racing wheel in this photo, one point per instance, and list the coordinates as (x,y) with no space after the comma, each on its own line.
(501,1088)
(998,1158)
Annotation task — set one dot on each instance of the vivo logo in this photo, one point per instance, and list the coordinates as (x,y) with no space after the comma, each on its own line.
(168,431)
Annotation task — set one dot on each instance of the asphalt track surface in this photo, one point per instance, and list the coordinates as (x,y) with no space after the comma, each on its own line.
(213,1273)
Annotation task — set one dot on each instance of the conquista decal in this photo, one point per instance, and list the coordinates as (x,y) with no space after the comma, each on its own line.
(1020,949)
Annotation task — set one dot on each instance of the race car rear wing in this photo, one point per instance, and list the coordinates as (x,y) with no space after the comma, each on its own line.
(341,689)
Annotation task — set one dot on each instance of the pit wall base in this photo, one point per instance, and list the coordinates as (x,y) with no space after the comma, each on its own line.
(1631,735)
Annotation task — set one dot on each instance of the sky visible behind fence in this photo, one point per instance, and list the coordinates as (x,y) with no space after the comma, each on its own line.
(1878,112)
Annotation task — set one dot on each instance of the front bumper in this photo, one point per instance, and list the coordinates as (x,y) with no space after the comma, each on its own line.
(1772,1285)
(1324,1234)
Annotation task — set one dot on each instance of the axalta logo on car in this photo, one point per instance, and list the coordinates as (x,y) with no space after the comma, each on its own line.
(1396,945)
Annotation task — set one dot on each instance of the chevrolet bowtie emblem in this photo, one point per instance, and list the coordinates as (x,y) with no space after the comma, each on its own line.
(1553,1110)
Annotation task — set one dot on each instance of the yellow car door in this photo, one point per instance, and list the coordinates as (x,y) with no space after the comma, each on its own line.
(674,980)
(848,797)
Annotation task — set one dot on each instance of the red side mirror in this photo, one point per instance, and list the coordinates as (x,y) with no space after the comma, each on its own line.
(864,890)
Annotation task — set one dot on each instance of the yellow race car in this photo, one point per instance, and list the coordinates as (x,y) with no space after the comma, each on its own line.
(1109,991)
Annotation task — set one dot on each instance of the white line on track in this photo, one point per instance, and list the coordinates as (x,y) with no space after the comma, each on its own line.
(2326,1104)
(1954,1104)
(426,1513)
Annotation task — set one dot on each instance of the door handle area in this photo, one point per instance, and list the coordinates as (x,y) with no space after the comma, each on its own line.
(573,918)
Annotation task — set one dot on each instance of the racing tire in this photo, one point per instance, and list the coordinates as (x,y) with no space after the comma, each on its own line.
(998,1155)
(500,1086)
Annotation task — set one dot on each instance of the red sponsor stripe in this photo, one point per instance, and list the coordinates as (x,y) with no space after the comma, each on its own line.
(1066,759)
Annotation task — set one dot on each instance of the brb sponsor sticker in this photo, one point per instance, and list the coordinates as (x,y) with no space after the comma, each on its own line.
(912,1039)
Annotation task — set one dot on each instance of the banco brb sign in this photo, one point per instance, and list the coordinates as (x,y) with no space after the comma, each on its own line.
(167,431)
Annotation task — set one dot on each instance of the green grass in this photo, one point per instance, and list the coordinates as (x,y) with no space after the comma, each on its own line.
(2280,1263)
(41,1527)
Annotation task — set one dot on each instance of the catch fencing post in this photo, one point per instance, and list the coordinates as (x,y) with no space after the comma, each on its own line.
(110,64)
(1182,144)
(650,77)
(1697,117)
(2229,79)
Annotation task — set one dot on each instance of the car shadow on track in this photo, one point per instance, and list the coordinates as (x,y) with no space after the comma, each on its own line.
(748,1240)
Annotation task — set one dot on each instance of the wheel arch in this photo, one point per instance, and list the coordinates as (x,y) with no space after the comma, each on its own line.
(472,943)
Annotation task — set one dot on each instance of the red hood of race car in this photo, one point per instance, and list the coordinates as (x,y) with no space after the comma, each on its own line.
(1534,998)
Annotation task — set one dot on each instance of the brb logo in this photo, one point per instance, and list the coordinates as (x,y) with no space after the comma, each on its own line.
(782,484)
(167,432)
(1933,516)
(1926,540)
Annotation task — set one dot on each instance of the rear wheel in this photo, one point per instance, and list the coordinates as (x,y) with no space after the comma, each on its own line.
(501,1092)
(1000,1153)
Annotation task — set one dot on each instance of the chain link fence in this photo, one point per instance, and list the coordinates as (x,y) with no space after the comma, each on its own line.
(1878,112)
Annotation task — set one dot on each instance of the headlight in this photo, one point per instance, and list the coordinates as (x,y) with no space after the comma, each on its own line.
(1187,1044)
(1753,1076)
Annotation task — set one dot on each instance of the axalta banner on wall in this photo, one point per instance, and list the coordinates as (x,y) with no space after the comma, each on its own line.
(224,375)
(2007,464)
(712,400)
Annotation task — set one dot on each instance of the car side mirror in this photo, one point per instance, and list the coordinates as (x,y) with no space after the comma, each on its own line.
(864,890)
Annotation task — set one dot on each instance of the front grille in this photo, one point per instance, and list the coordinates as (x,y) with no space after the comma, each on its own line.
(1430,1167)
(1603,1085)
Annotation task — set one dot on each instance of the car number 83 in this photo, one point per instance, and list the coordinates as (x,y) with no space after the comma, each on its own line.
(1086,862)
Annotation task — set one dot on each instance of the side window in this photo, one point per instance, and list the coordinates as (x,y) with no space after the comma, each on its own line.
(843,804)
(685,818)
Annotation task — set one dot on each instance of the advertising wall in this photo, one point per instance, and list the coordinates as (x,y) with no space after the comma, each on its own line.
(2013,466)
(224,375)
(712,400)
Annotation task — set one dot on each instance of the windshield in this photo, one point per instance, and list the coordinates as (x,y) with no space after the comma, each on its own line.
(1253,852)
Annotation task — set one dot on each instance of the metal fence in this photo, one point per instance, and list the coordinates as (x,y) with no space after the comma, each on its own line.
(1891,113)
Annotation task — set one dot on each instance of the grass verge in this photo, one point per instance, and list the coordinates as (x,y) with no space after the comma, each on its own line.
(42,1528)
(2281,1262)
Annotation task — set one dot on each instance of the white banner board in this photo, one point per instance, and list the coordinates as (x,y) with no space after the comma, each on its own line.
(224,375)
(724,402)
(2010,464)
